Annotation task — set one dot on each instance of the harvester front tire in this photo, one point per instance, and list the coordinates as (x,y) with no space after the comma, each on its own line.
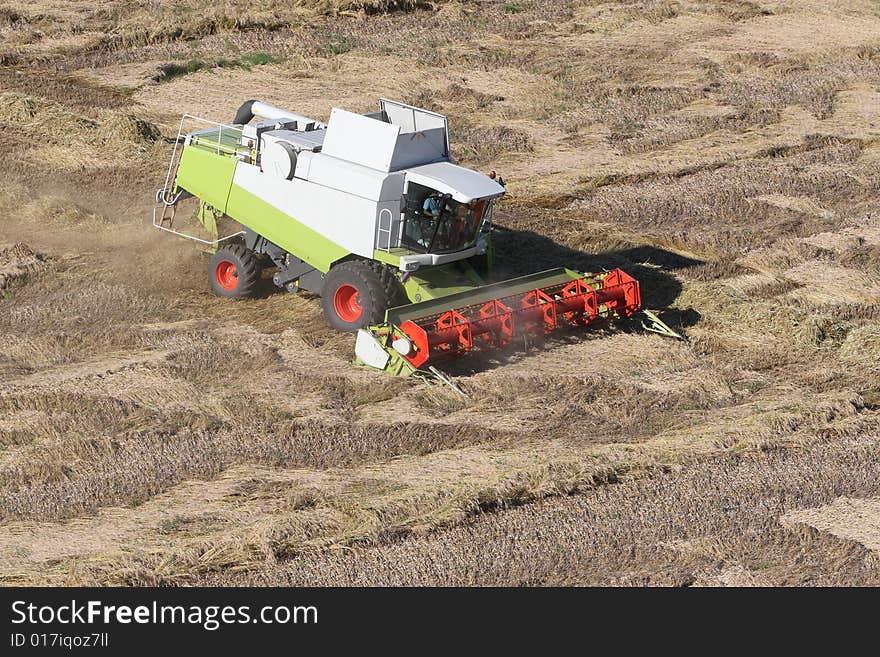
(354,295)
(395,295)
(234,272)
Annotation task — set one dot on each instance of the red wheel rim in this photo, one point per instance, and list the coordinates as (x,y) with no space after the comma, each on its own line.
(346,302)
(226,275)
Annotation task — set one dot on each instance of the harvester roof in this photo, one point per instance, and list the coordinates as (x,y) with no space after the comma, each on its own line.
(464,185)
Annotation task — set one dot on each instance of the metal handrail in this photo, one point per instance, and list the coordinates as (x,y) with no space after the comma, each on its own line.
(157,223)
(170,200)
(382,230)
(166,189)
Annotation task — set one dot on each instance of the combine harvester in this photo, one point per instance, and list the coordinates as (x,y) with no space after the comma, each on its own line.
(370,212)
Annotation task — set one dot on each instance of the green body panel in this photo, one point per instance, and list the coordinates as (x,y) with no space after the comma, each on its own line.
(391,258)
(441,280)
(206,175)
(282,229)
(478,294)
(208,217)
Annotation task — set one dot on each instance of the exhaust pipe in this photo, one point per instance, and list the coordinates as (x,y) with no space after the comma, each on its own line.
(251,108)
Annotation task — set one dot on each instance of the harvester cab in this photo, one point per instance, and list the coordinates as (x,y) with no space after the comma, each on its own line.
(370,212)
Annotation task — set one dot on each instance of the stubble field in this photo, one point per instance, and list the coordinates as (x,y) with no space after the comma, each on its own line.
(724,153)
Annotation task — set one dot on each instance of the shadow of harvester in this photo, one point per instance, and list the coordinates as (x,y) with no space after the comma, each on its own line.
(519,252)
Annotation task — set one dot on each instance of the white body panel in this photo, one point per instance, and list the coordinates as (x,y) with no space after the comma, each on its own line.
(360,139)
(369,141)
(353,178)
(278,159)
(348,220)
(304,164)
(370,351)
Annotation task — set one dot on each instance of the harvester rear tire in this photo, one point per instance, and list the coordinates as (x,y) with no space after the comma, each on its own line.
(234,272)
(354,295)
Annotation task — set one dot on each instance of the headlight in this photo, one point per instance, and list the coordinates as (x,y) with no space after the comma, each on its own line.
(402,346)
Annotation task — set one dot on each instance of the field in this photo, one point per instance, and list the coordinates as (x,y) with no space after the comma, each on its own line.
(726,154)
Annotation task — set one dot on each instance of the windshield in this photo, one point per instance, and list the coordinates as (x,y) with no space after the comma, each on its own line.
(440,224)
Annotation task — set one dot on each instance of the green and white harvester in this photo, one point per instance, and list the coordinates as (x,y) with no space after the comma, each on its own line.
(369,212)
